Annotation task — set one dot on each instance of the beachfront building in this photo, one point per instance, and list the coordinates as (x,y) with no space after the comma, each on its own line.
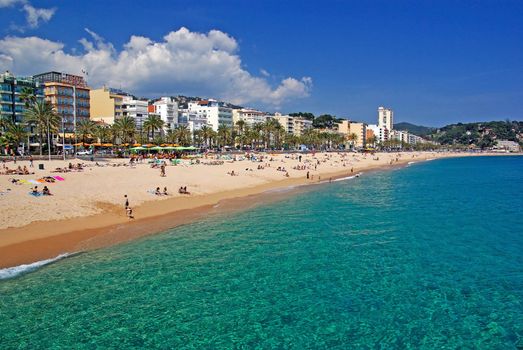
(510,146)
(167,109)
(106,104)
(369,134)
(11,87)
(215,112)
(249,116)
(192,120)
(381,134)
(293,125)
(347,127)
(386,118)
(136,109)
(69,96)
(402,136)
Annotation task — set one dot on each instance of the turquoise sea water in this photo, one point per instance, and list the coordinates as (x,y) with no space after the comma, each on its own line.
(425,257)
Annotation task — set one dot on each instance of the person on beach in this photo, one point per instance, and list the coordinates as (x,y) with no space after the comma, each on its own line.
(35,190)
(157,192)
(165,191)
(31,161)
(129,212)
(308,175)
(46,191)
(126,201)
(162,170)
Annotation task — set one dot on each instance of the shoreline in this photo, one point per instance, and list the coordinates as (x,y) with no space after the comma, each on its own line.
(42,240)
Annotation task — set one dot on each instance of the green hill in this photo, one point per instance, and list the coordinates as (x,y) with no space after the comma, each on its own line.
(414,129)
(483,134)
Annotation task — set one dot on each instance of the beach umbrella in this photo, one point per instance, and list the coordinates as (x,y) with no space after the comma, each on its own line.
(136,145)
(107,145)
(157,148)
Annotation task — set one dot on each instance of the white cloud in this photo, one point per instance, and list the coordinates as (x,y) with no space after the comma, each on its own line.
(9,3)
(205,64)
(34,15)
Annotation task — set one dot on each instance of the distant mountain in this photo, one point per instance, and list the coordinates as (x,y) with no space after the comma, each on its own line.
(415,129)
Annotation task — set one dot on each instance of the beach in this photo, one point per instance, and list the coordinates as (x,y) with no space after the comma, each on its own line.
(87,208)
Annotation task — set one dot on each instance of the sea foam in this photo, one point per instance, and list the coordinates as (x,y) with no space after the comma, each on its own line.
(347,177)
(15,271)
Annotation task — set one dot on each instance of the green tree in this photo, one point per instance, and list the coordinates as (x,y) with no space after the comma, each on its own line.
(153,123)
(16,134)
(102,133)
(224,135)
(206,134)
(85,128)
(42,116)
(371,140)
(352,138)
(124,128)
(28,96)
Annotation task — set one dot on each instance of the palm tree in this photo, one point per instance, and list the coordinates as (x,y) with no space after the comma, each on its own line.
(5,123)
(16,133)
(181,135)
(206,133)
(41,115)
(256,134)
(124,128)
(197,137)
(371,140)
(28,96)
(224,135)
(152,123)
(85,128)
(352,137)
(102,132)
(240,126)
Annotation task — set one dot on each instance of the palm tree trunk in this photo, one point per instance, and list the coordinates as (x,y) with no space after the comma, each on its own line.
(40,144)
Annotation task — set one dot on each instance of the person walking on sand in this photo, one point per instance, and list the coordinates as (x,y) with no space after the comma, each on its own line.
(129,211)
(308,175)
(31,161)
(162,170)
(126,201)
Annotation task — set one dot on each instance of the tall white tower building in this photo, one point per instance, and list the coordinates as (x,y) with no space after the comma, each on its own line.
(385,118)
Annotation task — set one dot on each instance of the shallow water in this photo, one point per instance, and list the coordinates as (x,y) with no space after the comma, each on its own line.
(425,257)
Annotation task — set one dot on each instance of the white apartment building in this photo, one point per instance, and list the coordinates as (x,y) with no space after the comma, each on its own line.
(215,112)
(386,118)
(510,146)
(193,121)
(249,116)
(136,109)
(402,136)
(293,125)
(380,133)
(167,109)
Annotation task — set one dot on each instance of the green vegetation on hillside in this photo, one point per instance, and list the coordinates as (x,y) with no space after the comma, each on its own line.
(414,129)
(483,135)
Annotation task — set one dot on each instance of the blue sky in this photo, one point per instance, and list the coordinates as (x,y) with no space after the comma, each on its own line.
(433,62)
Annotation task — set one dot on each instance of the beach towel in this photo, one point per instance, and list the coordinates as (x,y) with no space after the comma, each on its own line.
(34,182)
(59,178)
(25,182)
(42,181)
(38,194)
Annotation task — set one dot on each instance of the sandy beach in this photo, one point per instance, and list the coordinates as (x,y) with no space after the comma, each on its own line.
(87,208)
